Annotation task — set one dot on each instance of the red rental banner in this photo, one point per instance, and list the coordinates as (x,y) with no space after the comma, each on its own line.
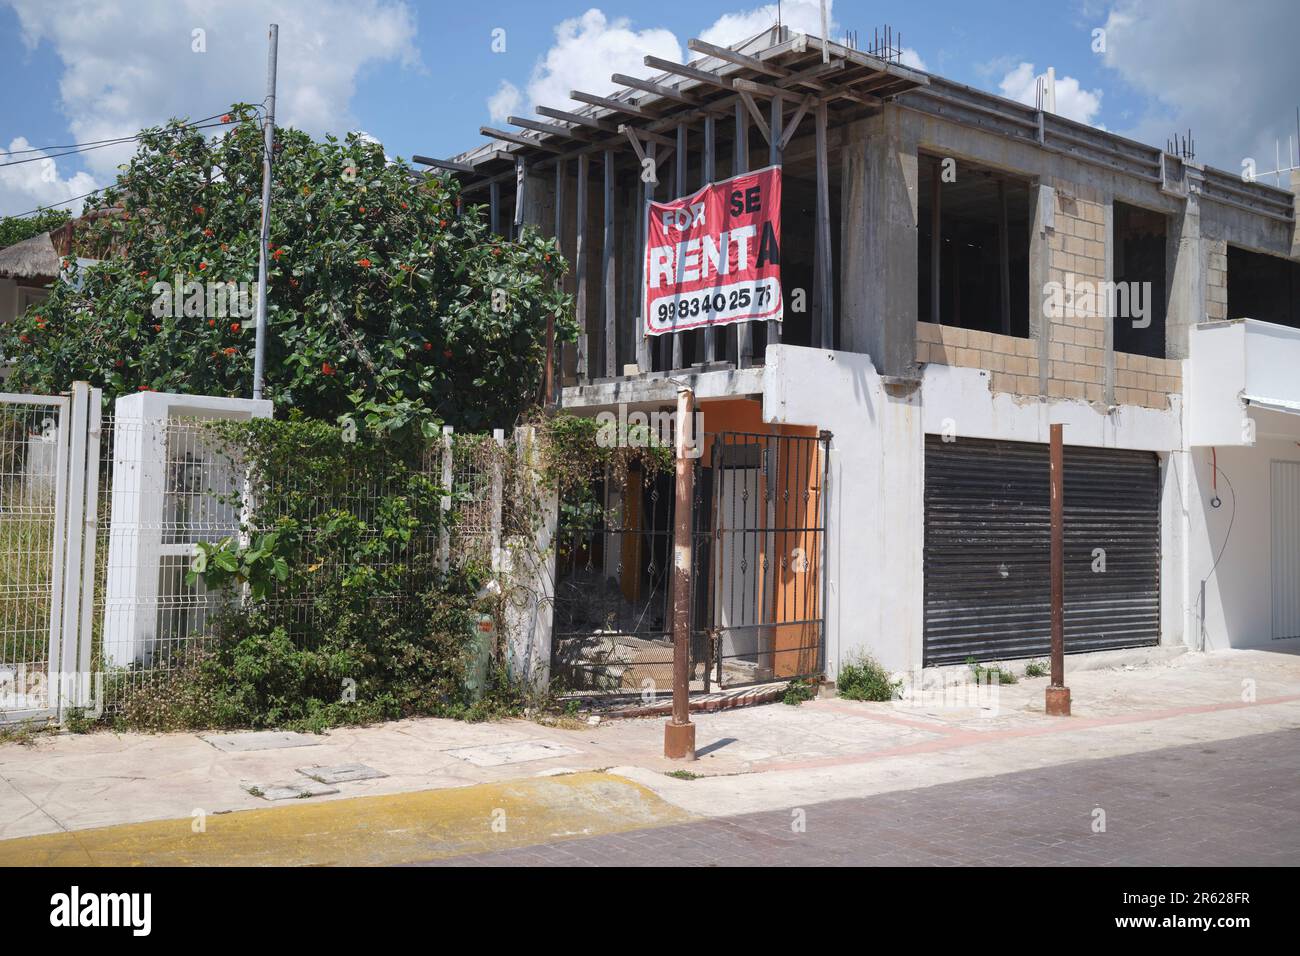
(714,258)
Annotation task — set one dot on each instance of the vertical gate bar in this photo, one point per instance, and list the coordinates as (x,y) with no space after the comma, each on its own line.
(54,652)
(823,516)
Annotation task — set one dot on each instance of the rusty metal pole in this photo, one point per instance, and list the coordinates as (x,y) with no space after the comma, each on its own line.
(679,732)
(1058,695)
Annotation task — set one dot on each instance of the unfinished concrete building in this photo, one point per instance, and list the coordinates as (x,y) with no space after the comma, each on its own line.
(959,271)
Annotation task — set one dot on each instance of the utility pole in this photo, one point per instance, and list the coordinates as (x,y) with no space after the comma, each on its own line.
(1058,695)
(679,732)
(268,147)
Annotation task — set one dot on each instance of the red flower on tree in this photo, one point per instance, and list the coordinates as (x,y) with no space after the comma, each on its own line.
(326,368)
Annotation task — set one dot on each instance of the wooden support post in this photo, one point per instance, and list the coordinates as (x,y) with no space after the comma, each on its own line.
(644,344)
(521,179)
(494,206)
(678,359)
(554,355)
(825,335)
(580,267)
(740,164)
(607,269)
(777,118)
(707,171)
(1058,695)
(1004,258)
(936,243)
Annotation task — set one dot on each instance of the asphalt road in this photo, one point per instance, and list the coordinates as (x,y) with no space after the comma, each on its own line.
(1230,803)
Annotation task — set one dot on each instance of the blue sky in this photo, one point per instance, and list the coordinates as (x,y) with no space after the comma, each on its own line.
(419,76)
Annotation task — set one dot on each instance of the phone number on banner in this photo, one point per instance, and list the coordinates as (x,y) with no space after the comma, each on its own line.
(722,305)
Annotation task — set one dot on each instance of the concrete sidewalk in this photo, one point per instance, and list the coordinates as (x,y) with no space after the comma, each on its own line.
(751,760)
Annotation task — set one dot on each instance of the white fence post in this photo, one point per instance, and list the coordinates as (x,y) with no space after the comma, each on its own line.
(444,533)
(64,665)
(498,497)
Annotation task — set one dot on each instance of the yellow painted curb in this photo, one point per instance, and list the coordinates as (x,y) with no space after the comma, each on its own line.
(367,831)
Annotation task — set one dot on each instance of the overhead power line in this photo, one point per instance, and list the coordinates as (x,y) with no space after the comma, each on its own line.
(87,147)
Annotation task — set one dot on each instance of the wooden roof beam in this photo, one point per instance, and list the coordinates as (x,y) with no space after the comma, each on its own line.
(632,109)
(577,119)
(446,164)
(553,129)
(658,89)
(518,139)
(734,56)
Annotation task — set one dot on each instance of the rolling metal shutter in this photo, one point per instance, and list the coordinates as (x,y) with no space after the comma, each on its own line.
(987,550)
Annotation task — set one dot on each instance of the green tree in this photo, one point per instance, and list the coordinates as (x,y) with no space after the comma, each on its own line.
(17,228)
(380,296)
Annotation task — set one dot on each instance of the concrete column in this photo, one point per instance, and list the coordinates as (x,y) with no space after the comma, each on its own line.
(1295,234)
(1042,226)
(1185,268)
(878,242)
(1108,340)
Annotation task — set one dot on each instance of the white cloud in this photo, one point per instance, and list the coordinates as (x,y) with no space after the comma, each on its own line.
(587,50)
(504,102)
(1233,82)
(31,184)
(1072,100)
(801,16)
(913,59)
(132,63)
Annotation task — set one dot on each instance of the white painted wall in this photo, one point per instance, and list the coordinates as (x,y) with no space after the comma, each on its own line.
(1238,591)
(875,525)
(874,501)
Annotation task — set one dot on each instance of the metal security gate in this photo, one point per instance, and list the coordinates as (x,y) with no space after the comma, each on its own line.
(987,550)
(759,550)
(47,462)
(759,562)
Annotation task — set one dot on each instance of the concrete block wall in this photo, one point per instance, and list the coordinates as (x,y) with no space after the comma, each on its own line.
(1079,362)
(1145,381)
(1012,362)
(1076,352)
(1216,279)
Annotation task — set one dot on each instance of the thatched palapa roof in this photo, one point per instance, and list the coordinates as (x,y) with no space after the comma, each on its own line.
(34,258)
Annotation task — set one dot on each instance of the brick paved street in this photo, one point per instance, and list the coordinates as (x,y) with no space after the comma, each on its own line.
(1230,803)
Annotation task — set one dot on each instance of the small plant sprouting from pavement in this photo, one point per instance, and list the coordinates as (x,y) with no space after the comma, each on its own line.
(994,673)
(798,691)
(1037,669)
(863,678)
(683,775)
